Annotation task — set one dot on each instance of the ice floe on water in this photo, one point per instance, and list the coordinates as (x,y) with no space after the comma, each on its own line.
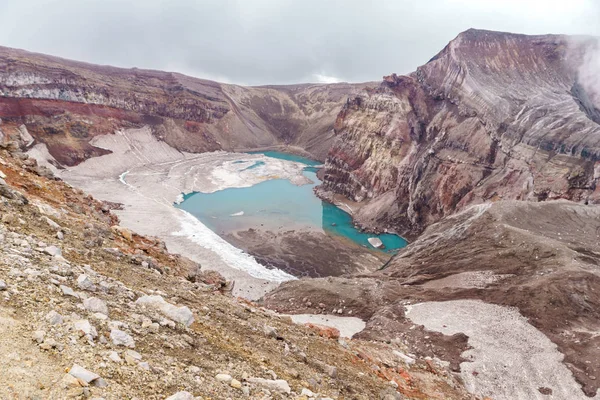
(197,232)
(180,198)
(259,168)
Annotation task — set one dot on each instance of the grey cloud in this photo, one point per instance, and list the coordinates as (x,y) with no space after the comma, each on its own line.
(274,41)
(589,71)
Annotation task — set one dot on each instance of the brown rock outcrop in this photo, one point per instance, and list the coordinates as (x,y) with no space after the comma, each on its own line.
(492,116)
(541,258)
(65,103)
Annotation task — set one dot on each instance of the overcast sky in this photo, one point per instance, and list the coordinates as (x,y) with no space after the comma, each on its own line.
(274,41)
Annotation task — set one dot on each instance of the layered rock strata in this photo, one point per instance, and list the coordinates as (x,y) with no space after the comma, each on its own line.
(492,116)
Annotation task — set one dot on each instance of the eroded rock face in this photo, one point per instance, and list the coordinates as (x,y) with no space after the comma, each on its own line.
(492,116)
(64,104)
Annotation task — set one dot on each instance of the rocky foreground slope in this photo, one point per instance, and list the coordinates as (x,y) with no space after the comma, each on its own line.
(505,291)
(543,259)
(91,309)
(493,116)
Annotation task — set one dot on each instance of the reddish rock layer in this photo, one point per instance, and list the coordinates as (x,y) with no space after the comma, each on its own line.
(65,103)
(492,116)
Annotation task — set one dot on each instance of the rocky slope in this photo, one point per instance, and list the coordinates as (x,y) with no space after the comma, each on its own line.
(541,258)
(91,309)
(505,291)
(64,104)
(492,116)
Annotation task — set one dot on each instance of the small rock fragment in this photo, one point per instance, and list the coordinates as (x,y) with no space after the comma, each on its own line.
(181,396)
(81,373)
(39,336)
(324,331)
(133,354)
(51,222)
(54,318)
(276,385)
(331,371)
(120,338)
(182,314)
(99,382)
(84,326)
(69,381)
(406,359)
(223,378)
(144,365)
(53,251)
(96,305)
(114,357)
(67,291)
(270,331)
(85,283)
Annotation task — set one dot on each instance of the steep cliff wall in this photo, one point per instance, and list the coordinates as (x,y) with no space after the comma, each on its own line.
(65,103)
(492,116)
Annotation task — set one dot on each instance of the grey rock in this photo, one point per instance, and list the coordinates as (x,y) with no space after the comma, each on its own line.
(54,318)
(25,136)
(85,283)
(181,396)
(95,305)
(406,359)
(84,326)
(99,383)
(223,378)
(276,385)
(39,336)
(390,394)
(67,291)
(270,331)
(194,369)
(121,338)
(53,251)
(114,357)
(182,314)
(331,371)
(134,354)
(51,222)
(81,373)
(3,285)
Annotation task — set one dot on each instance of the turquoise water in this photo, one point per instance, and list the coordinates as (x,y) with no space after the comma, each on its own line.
(277,205)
